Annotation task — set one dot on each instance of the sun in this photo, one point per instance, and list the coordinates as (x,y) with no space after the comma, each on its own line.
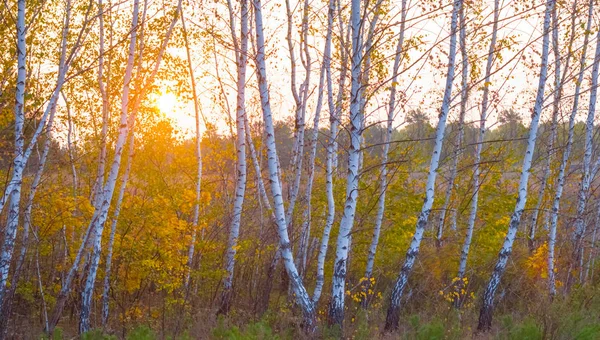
(166,102)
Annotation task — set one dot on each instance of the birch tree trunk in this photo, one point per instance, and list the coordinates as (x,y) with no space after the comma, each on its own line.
(300,97)
(298,288)
(464,254)
(13,191)
(586,180)
(464,96)
(320,278)
(486,312)
(234,229)
(198,141)
(113,228)
(393,312)
(553,128)
(383,183)
(125,127)
(560,181)
(22,154)
(101,210)
(336,306)
(306,224)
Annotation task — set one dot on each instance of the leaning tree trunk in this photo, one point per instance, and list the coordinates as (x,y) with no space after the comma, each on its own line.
(464,254)
(586,180)
(560,181)
(234,229)
(464,96)
(393,312)
(198,141)
(125,128)
(113,227)
(487,307)
(553,127)
(298,288)
(383,183)
(336,306)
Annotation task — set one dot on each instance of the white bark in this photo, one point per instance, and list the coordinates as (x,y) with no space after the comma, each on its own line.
(580,225)
(464,254)
(113,227)
(386,147)
(127,112)
(560,181)
(101,210)
(298,288)
(22,154)
(553,129)
(464,96)
(329,161)
(234,229)
(300,97)
(336,307)
(393,312)
(198,141)
(486,312)
(306,217)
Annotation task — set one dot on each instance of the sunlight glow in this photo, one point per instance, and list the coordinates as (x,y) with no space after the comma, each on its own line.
(166,102)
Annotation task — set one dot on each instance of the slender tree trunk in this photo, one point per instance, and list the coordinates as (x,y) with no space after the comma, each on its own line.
(320,279)
(384,171)
(241,56)
(306,224)
(486,312)
(553,130)
(300,97)
(298,288)
(125,128)
(586,180)
(198,141)
(336,306)
(560,181)
(113,228)
(101,210)
(464,96)
(393,313)
(464,254)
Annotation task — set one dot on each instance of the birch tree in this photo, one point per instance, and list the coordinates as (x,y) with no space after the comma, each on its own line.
(464,96)
(383,181)
(486,312)
(393,312)
(588,173)
(320,277)
(296,283)
(241,52)
(336,306)
(198,145)
(464,254)
(306,216)
(22,153)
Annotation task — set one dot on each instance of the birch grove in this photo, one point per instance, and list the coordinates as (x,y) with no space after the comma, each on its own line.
(254,169)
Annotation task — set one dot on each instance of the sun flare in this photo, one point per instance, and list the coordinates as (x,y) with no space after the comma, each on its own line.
(166,102)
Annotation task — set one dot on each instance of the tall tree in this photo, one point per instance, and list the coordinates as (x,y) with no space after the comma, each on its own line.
(393,312)
(487,307)
(464,254)
(297,285)
(336,306)
(241,52)
(464,97)
(588,174)
(383,181)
